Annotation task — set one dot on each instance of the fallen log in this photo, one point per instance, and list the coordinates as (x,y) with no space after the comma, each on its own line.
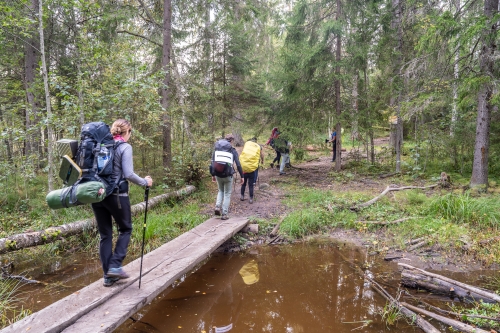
(418,278)
(387,190)
(462,327)
(51,234)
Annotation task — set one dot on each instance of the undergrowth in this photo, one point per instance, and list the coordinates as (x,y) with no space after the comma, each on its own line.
(10,312)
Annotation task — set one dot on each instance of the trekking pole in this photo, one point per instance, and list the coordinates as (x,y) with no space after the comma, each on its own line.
(146,197)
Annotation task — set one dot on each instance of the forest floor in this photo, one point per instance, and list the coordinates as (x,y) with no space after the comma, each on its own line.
(318,172)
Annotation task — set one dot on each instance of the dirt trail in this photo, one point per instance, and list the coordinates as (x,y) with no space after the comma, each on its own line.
(311,173)
(318,172)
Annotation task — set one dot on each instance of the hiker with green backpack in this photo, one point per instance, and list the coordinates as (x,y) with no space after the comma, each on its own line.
(250,157)
(283,145)
(117,206)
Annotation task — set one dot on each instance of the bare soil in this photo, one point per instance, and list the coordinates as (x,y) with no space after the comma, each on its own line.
(317,172)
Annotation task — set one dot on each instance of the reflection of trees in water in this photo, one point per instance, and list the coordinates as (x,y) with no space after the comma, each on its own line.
(307,286)
(300,288)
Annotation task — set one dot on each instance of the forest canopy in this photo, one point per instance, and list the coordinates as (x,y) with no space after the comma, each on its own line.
(187,72)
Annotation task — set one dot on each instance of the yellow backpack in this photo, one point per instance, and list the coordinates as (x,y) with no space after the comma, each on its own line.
(250,156)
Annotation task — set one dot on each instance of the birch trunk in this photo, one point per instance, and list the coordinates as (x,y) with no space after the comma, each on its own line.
(50,133)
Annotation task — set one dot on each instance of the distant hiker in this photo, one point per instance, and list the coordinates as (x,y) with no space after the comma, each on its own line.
(274,134)
(283,145)
(117,205)
(333,140)
(222,171)
(250,158)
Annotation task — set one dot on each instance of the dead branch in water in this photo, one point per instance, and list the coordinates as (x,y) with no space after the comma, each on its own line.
(387,190)
(462,327)
(460,315)
(413,317)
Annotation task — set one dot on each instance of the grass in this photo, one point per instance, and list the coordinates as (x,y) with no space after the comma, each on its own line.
(9,312)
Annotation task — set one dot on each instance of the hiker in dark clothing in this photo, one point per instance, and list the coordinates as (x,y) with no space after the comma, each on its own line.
(117,206)
(274,134)
(333,140)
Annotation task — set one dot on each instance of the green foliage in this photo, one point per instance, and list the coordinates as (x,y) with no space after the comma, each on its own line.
(480,309)
(391,314)
(464,209)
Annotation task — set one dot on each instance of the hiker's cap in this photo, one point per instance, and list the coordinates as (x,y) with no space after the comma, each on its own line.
(254,139)
(229,137)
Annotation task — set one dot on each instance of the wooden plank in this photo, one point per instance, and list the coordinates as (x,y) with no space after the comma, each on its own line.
(108,316)
(63,313)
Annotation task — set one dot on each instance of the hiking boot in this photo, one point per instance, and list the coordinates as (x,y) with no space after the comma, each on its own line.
(217,210)
(272,165)
(251,200)
(242,198)
(282,173)
(117,273)
(109,281)
(224,217)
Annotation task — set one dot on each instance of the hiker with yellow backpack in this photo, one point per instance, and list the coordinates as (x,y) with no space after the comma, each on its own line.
(250,157)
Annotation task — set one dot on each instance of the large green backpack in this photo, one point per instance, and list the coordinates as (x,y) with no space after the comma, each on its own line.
(281,145)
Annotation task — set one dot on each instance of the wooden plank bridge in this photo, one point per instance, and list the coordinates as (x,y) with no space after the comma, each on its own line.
(96,308)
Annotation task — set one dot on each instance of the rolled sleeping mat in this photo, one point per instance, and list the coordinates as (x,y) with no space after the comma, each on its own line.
(78,194)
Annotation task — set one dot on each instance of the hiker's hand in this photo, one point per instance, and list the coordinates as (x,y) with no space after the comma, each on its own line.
(213,179)
(149,180)
(241,181)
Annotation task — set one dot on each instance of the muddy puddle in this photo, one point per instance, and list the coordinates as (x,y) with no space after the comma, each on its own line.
(289,288)
(292,289)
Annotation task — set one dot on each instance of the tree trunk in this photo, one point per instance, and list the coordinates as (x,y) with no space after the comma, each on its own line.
(355,111)
(50,235)
(180,97)
(338,127)
(165,89)
(479,175)
(398,25)
(50,134)
(31,49)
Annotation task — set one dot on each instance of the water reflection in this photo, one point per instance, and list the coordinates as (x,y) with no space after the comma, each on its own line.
(300,288)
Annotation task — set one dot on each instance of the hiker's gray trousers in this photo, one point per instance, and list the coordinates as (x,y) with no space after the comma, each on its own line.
(224,196)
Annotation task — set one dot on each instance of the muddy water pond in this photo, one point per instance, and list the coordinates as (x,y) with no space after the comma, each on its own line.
(297,288)
(292,289)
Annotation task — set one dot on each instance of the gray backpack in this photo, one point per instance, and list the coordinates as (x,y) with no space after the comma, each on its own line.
(222,163)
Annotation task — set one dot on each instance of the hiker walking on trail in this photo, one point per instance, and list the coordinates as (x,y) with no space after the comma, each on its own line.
(249,159)
(117,206)
(222,171)
(283,146)
(333,140)
(274,134)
